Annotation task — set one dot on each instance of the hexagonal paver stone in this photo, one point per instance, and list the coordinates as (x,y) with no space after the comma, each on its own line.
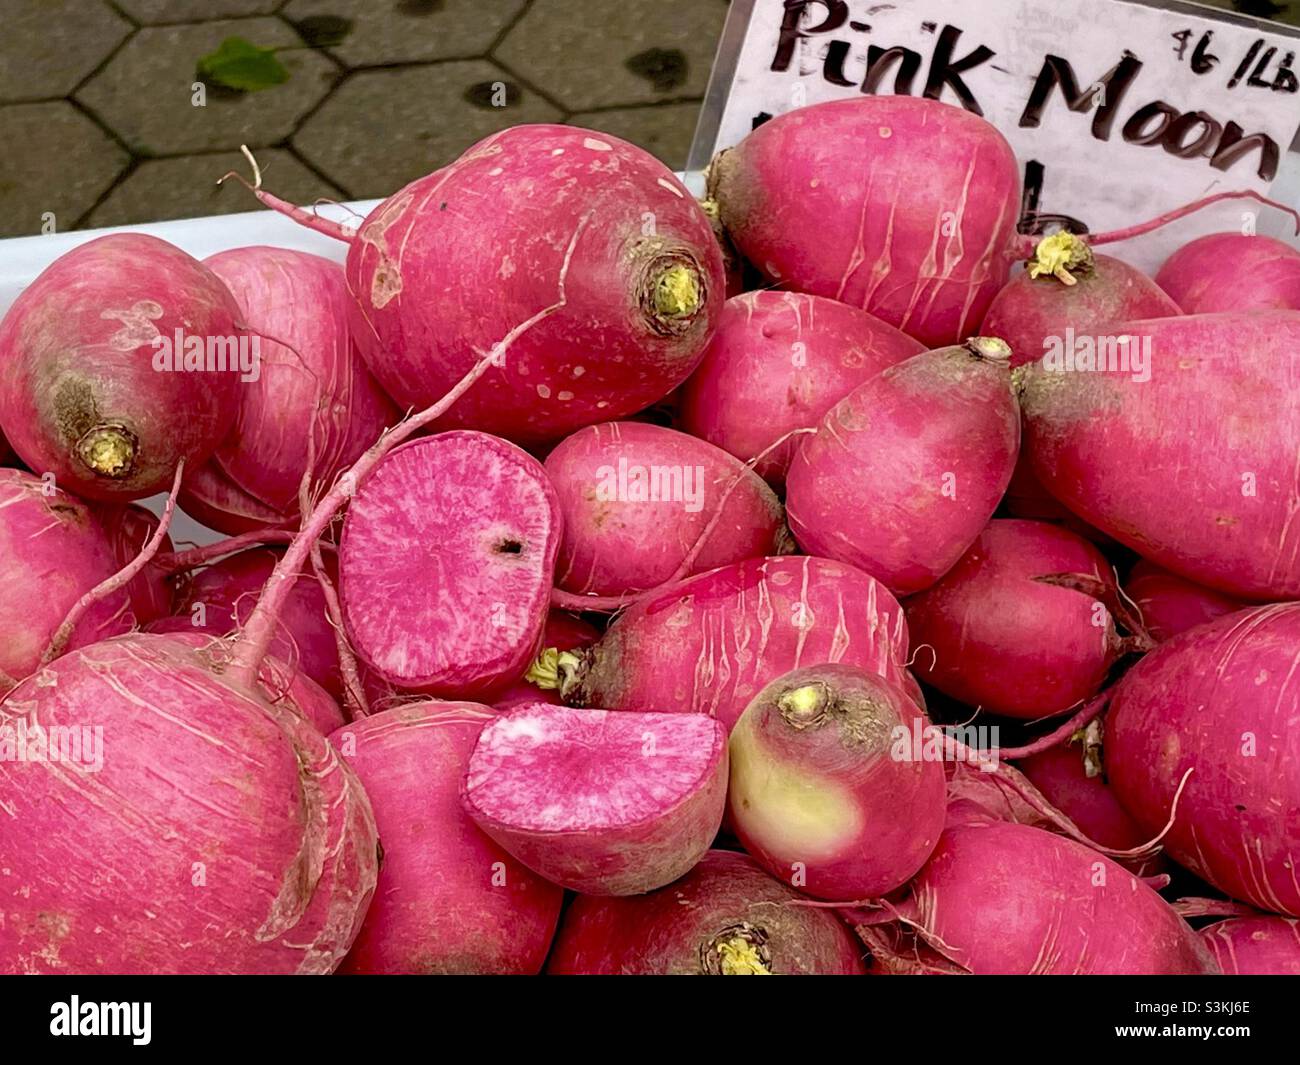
(367,33)
(632,52)
(65,164)
(146,93)
(664,131)
(158,12)
(383,128)
(48,46)
(185,187)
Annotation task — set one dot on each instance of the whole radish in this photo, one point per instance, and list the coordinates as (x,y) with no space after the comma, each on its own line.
(52,551)
(1007,899)
(1233,272)
(220,598)
(122,358)
(993,634)
(446,564)
(777,363)
(1218,701)
(1109,443)
(710,643)
(1169,604)
(1068,291)
(599,802)
(726,917)
(1255,946)
(812,198)
(904,472)
(635,498)
(448,901)
(819,794)
(188,824)
(129,527)
(579,253)
(563,631)
(312,385)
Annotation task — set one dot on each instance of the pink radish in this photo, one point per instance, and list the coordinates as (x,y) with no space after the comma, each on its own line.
(1219,701)
(819,795)
(710,643)
(1066,291)
(1255,946)
(939,435)
(1169,604)
(600,802)
(581,253)
(312,385)
(726,917)
(1233,272)
(448,900)
(218,834)
(563,631)
(220,598)
(446,564)
(812,198)
(129,527)
(1007,899)
(93,388)
(993,634)
(635,498)
(52,551)
(1108,445)
(777,363)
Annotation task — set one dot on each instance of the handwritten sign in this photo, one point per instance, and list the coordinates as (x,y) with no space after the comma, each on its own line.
(1118,110)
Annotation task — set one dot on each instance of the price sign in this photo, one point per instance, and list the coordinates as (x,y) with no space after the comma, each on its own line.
(1117,109)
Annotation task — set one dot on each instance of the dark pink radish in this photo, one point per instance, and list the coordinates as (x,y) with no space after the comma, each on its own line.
(580,253)
(1169,604)
(92,386)
(1067,292)
(447,562)
(904,471)
(312,387)
(635,498)
(217,834)
(819,794)
(1255,946)
(814,198)
(1219,700)
(1233,272)
(280,682)
(220,598)
(52,551)
(1007,899)
(212,499)
(129,527)
(992,634)
(449,900)
(1110,444)
(710,643)
(1061,775)
(563,631)
(726,917)
(777,363)
(599,802)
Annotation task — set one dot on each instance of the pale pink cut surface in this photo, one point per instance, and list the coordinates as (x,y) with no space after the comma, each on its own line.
(446,560)
(560,769)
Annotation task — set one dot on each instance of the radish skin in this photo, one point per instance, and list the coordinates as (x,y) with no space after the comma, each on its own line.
(1170,604)
(1233,272)
(599,802)
(1255,946)
(724,918)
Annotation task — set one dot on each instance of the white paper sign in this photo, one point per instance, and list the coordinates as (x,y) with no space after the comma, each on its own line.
(1117,110)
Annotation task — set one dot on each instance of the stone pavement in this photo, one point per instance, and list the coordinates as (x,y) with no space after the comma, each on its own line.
(107,121)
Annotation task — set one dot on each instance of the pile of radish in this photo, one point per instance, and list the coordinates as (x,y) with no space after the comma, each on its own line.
(581,613)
